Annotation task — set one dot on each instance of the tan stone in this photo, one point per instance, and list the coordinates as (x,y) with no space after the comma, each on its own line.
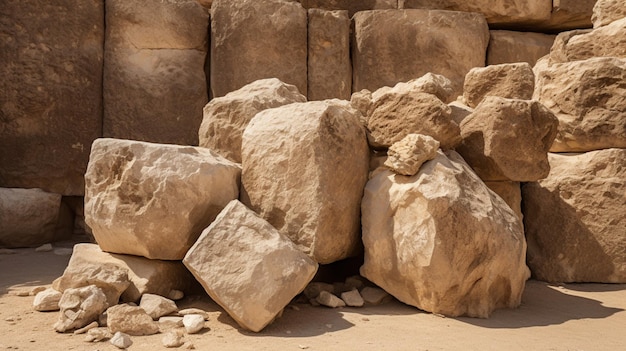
(511,193)
(247,267)
(51,101)
(429,83)
(80,307)
(329,300)
(587,98)
(329,72)
(153,200)
(508,139)
(607,11)
(157,306)
(226,117)
(407,155)
(459,111)
(391,46)
(47,300)
(352,298)
(509,47)
(304,169)
(607,41)
(567,15)
(575,218)
(352,6)
(256,39)
(132,320)
(466,266)
(510,80)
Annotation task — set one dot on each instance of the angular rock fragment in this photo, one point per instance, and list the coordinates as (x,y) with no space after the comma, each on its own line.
(170,322)
(110,278)
(172,339)
(511,81)
(132,320)
(607,41)
(329,300)
(80,307)
(407,155)
(98,334)
(607,11)
(374,296)
(121,340)
(247,267)
(193,323)
(510,47)
(157,306)
(47,300)
(352,298)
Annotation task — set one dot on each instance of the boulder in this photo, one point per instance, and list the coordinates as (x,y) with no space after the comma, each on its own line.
(607,11)
(132,320)
(154,80)
(80,307)
(256,39)
(47,300)
(575,218)
(587,98)
(607,41)
(391,46)
(329,72)
(509,80)
(304,169)
(51,100)
(407,155)
(508,139)
(28,217)
(511,193)
(157,306)
(153,200)
(226,117)
(351,6)
(466,266)
(510,47)
(110,278)
(248,267)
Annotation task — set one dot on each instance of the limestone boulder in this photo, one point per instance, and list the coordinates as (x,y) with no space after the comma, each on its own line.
(351,6)
(509,80)
(391,46)
(248,267)
(407,155)
(256,39)
(575,218)
(607,11)
(80,307)
(153,200)
(110,278)
(28,217)
(508,139)
(607,41)
(511,46)
(304,169)
(587,98)
(51,56)
(226,117)
(467,266)
(132,320)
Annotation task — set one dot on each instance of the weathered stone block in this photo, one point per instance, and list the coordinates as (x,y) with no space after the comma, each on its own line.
(607,11)
(132,320)
(80,307)
(352,6)
(407,155)
(510,47)
(509,80)
(607,41)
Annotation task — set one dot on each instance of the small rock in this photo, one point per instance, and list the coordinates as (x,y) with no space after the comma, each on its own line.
(172,339)
(36,290)
(329,300)
(86,328)
(64,251)
(352,298)
(406,156)
(132,320)
(176,294)
(97,334)
(47,300)
(187,311)
(10,319)
(313,289)
(193,323)
(374,296)
(157,306)
(121,340)
(44,248)
(7,252)
(20,293)
(170,322)
(80,307)
(189,346)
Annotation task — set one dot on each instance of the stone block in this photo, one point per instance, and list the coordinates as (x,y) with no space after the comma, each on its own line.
(509,80)
(510,47)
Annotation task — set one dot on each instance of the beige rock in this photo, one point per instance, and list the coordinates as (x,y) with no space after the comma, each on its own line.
(351,5)
(407,155)
(567,15)
(607,11)
(509,80)
(575,218)
(374,296)
(132,320)
(247,267)
(154,81)
(352,298)
(362,102)
(98,334)
(51,100)
(329,300)
(170,322)
(226,117)
(508,139)
(153,200)
(468,266)
(256,39)
(510,47)
(459,111)
(172,339)
(145,276)
(511,193)
(329,72)
(28,217)
(121,340)
(47,300)
(587,98)
(187,311)
(304,169)
(607,41)
(157,306)
(193,323)
(430,83)
(80,307)
(391,46)
(86,328)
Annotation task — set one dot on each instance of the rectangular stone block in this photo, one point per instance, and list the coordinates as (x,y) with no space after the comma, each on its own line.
(509,47)
(568,15)
(352,6)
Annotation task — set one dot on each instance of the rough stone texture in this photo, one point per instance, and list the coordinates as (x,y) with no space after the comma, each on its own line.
(510,47)
(374,296)
(47,300)
(352,6)
(121,340)
(329,300)
(247,267)
(407,155)
(132,320)
(510,80)
(193,323)
(256,39)
(508,139)
(429,83)
(153,200)
(468,266)
(329,67)
(391,46)
(170,322)
(314,289)
(459,111)
(154,81)
(607,11)
(607,41)
(567,15)
(352,298)
(51,101)
(28,217)
(304,169)
(575,218)
(511,193)
(172,339)
(157,306)
(588,99)
(226,117)
(98,334)
(80,307)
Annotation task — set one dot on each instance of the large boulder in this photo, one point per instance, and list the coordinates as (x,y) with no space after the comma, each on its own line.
(80,307)
(154,81)
(153,200)
(391,46)
(588,99)
(575,218)
(304,169)
(351,6)
(510,80)
(510,47)
(256,39)
(28,217)
(226,117)
(51,102)
(607,11)
(248,267)
(607,41)
(508,139)
(466,266)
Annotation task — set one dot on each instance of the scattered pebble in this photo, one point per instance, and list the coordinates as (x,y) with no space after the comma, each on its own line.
(97,334)
(365,319)
(20,293)
(121,340)
(303,347)
(193,323)
(189,346)
(10,319)
(172,339)
(44,248)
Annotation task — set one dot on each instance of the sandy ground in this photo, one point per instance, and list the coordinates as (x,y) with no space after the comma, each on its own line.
(568,317)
